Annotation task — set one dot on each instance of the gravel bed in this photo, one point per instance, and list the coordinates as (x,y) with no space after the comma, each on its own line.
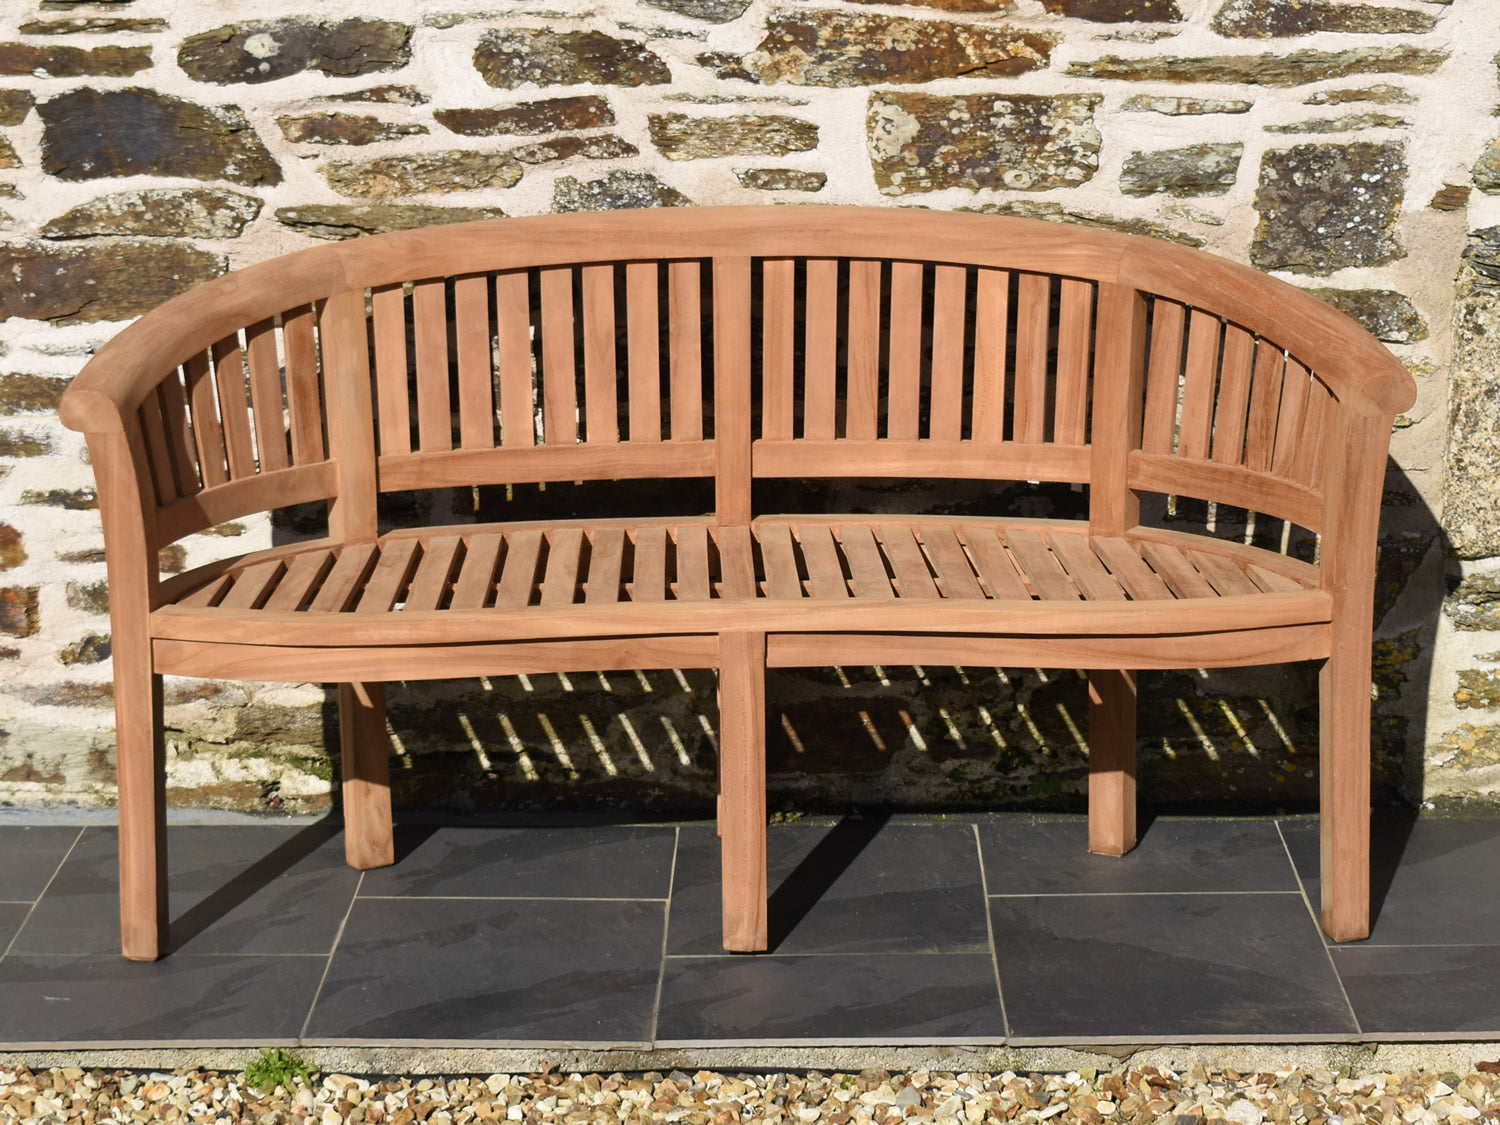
(1134,1095)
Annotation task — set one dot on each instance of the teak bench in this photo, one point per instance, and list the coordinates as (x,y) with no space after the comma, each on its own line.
(739,344)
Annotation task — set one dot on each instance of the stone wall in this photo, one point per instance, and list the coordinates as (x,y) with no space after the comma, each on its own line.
(1350,147)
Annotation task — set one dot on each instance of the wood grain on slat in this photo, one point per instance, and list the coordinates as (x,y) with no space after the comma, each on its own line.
(899,544)
(518,570)
(685,349)
(1083,566)
(1312,442)
(643,329)
(476,377)
(991,304)
(779,558)
(345,336)
(205,595)
(778,336)
(824,568)
(303,575)
(1176,571)
(304,397)
(732,345)
(1168,320)
(1222,574)
(1033,300)
(476,574)
(1265,401)
(862,393)
(692,563)
(947,555)
(560,578)
(434,573)
(208,436)
(429,323)
(601,412)
(994,565)
(163,472)
(1200,377)
(1295,383)
(866,567)
(1048,578)
(1140,581)
(252,585)
(265,395)
(820,350)
(1118,387)
(904,393)
(383,588)
(736,562)
(1271,581)
(392,381)
(648,577)
(1074,336)
(606,558)
(559,392)
(946,413)
(1232,413)
(179,433)
(345,579)
(513,320)
(234,407)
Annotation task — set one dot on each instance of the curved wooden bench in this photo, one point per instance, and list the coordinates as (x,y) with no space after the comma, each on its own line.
(736,345)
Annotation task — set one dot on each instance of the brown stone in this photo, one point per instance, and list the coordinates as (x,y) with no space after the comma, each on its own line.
(781,179)
(102,281)
(91,597)
(163,212)
(9,158)
(1207,169)
(1351,123)
(552,115)
(20,610)
(1184,107)
(72,693)
(93,648)
(92,25)
(449,170)
(510,57)
(12,550)
(349,220)
(604,147)
(1388,315)
(1056,213)
(27,394)
(90,134)
(713,11)
(616,191)
(1325,207)
(1293,68)
(681,137)
(1025,142)
(989,7)
(1117,11)
(1270,19)
(829,47)
(64,61)
(1382,94)
(171,559)
(1475,604)
(15,105)
(264,50)
(343,129)
(19,443)
(69,499)
(386,95)
(726,66)
(1450,197)
(87,555)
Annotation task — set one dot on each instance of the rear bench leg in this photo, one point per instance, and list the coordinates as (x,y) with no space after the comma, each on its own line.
(367,776)
(140,758)
(1111,761)
(742,798)
(1344,784)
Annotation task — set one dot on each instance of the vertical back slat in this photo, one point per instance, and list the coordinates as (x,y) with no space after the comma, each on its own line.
(179,433)
(476,382)
(1294,387)
(685,349)
(1074,332)
(1033,299)
(1233,407)
(234,407)
(207,433)
(778,345)
(1200,377)
(265,395)
(559,362)
(820,357)
(1311,438)
(904,398)
(643,328)
(391,379)
(163,473)
(1265,401)
(862,392)
(303,396)
(991,310)
(946,411)
(731,282)
(1167,324)
(601,408)
(429,315)
(513,319)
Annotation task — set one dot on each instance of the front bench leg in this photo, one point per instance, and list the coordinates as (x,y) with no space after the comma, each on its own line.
(1344,783)
(1112,706)
(365,757)
(140,759)
(742,785)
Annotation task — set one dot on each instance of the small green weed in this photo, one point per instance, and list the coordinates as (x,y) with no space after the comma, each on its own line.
(277,1067)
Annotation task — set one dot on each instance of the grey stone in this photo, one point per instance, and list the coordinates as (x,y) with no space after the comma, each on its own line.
(1351,123)
(106,280)
(1294,68)
(385,95)
(1184,107)
(511,57)
(1051,212)
(68,499)
(714,11)
(66,61)
(163,212)
(616,191)
(349,220)
(781,179)
(1207,169)
(264,50)
(1026,142)
(1486,170)
(91,597)
(1475,603)
(23,443)
(1325,207)
(1386,314)
(343,129)
(681,137)
(450,170)
(551,115)
(91,25)
(607,146)
(1471,503)
(1268,19)
(1381,93)
(29,394)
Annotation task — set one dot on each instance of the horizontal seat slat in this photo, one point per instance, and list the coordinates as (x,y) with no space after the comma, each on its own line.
(345,579)
(995,566)
(1176,571)
(250,589)
(824,568)
(736,563)
(899,544)
(606,557)
(471,590)
(1083,566)
(863,553)
(434,572)
(1048,578)
(947,555)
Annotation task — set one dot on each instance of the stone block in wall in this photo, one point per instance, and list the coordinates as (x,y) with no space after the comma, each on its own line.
(9,158)
(726,66)
(1293,68)
(1470,747)
(550,115)
(1117,11)
(92,25)
(511,57)
(1177,106)
(20,611)
(829,47)
(1206,169)
(28,394)
(348,220)
(1382,93)
(1474,605)
(12,547)
(92,134)
(91,597)
(419,173)
(1051,212)
(15,105)
(383,95)
(68,499)
(1471,503)
(93,648)
(1350,123)
(607,146)
(679,136)
(61,60)
(100,281)
(1325,207)
(1386,314)
(616,191)
(20,443)
(264,50)
(205,212)
(781,179)
(713,11)
(1486,170)
(1269,19)
(343,128)
(1028,142)
(1478,688)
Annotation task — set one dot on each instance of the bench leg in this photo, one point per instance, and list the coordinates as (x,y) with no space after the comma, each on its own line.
(1111,761)
(742,800)
(1344,790)
(141,764)
(367,776)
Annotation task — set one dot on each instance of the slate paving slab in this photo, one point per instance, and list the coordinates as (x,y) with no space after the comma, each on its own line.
(32,854)
(1413,991)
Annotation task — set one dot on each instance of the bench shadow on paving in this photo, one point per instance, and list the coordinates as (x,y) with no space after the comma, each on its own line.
(896,930)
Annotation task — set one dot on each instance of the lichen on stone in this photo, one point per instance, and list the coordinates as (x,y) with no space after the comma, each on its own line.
(1386,314)
(1056,213)
(265,50)
(1326,206)
(1351,123)
(1294,68)
(159,212)
(781,179)
(606,146)
(1204,169)
(616,191)
(66,61)
(420,173)
(550,115)
(678,136)
(1183,106)
(1269,19)
(107,280)
(511,57)
(350,220)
